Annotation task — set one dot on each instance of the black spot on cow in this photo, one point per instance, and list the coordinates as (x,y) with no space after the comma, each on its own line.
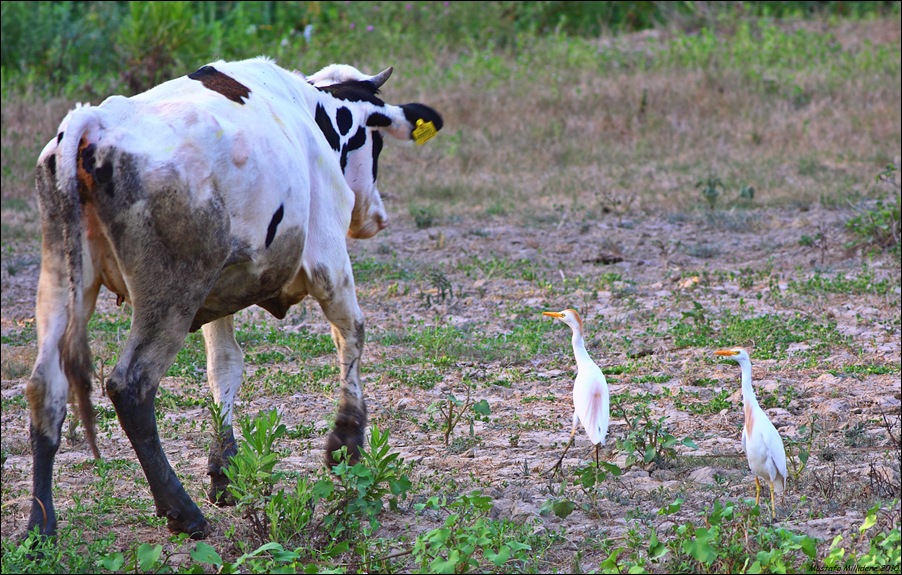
(103,175)
(354,91)
(325,125)
(87,158)
(377,149)
(355,143)
(345,120)
(59,137)
(273,224)
(213,79)
(378,120)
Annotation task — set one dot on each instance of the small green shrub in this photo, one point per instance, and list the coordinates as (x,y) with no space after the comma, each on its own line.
(468,541)
(358,491)
(879,226)
(453,410)
(647,438)
(732,540)
(251,471)
(424,216)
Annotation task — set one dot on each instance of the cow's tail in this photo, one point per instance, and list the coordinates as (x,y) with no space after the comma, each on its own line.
(75,350)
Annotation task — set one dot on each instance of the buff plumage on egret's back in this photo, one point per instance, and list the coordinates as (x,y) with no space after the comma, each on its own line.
(760,439)
(591,399)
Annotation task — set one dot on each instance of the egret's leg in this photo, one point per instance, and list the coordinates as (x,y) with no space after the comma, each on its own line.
(596,456)
(569,443)
(757,491)
(561,460)
(773,507)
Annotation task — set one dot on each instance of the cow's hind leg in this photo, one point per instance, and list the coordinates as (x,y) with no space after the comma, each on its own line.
(169,272)
(155,338)
(47,392)
(225,366)
(344,314)
(47,389)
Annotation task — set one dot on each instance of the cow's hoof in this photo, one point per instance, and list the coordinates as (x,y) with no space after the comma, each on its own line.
(334,443)
(34,541)
(196,528)
(219,493)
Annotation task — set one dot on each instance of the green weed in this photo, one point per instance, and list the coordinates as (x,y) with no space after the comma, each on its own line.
(647,439)
(713,404)
(468,540)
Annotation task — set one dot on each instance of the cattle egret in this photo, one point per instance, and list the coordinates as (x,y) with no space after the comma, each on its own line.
(761,442)
(591,399)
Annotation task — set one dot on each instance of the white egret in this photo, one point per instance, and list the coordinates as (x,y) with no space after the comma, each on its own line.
(761,441)
(591,399)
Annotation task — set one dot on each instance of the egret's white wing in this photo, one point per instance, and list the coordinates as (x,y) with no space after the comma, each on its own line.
(592,403)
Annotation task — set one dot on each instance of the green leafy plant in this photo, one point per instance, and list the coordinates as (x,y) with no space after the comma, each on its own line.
(798,448)
(647,439)
(590,479)
(468,540)
(883,554)
(711,190)
(424,216)
(732,540)
(355,492)
(251,471)
(879,226)
(453,410)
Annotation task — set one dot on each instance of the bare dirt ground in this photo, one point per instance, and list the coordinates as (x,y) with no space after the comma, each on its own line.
(468,274)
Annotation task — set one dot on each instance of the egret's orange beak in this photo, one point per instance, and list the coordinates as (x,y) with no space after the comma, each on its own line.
(556,314)
(726,352)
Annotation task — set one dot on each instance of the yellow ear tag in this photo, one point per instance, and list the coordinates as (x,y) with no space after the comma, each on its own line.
(424,131)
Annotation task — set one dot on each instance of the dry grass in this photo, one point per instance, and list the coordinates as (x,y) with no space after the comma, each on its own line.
(548,139)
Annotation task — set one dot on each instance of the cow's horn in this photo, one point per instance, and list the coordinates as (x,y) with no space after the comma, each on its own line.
(381,77)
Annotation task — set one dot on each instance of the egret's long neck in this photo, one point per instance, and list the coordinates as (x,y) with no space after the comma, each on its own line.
(579,347)
(748,393)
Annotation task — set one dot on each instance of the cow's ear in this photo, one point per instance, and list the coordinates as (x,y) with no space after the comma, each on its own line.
(415,122)
(426,122)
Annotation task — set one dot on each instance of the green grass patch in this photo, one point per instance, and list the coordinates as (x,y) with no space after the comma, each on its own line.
(867,369)
(499,268)
(191,361)
(651,378)
(300,345)
(770,335)
(702,404)
(274,381)
(865,283)
(425,378)
(445,344)
(371,270)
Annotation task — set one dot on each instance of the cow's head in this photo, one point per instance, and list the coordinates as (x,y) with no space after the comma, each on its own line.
(353,120)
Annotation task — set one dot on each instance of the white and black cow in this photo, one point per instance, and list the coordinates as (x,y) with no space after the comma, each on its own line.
(232,186)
